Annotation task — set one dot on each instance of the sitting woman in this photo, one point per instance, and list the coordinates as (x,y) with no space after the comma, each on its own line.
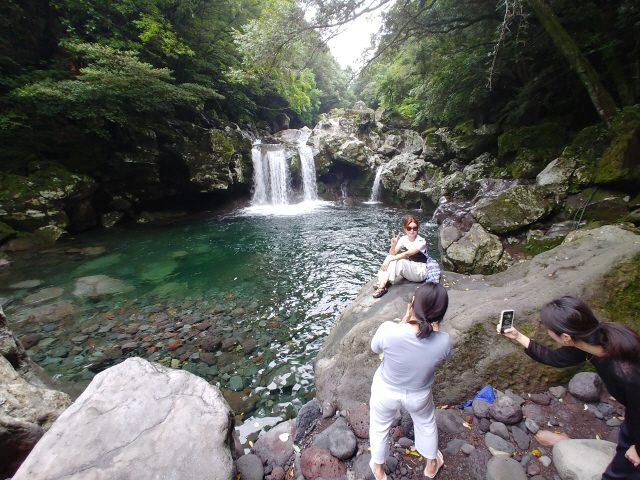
(408,258)
(412,350)
(614,351)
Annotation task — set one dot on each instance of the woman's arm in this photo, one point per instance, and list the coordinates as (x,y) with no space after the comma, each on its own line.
(560,357)
(514,334)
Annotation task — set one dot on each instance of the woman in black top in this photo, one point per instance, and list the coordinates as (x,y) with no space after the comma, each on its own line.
(614,351)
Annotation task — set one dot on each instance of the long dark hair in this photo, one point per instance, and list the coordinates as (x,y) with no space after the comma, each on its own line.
(430,303)
(572,316)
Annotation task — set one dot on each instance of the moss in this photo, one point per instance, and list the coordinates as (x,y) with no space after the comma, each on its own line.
(6,232)
(465,128)
(535,246)
(549,136)
(620,161)
(428,131)
(617,295)
(221,145)
(528,163)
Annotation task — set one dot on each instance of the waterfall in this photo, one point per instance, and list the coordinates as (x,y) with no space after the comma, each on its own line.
(308,167)
(270,175)
(343,188)
(375,191)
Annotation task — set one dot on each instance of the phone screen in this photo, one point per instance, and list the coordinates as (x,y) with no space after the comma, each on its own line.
(507,320)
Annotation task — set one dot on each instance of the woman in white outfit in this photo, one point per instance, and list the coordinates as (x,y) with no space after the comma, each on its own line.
(408,258)
(412,350)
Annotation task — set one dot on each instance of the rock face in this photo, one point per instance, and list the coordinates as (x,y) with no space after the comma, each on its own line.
(477,251)
(345,365)
(140,418)
(27,407)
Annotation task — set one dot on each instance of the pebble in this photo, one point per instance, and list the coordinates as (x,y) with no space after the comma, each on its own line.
(533,469)
(526,459)
(532,426)
(614,422)
(467,448)
(544,460)
(500,429)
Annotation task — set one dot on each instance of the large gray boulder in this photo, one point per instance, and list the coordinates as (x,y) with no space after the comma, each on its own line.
(516,207)
(345,364)
(139,420)
(404,177)
(582,459)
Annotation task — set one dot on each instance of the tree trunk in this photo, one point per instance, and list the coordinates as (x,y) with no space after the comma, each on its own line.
(600,97)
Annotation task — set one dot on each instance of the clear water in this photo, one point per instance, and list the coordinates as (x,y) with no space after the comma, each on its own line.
(275,277)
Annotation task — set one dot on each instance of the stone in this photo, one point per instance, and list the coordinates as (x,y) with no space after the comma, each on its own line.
(111,219)
(358,419)
(504,409)
(277,473)
(481,408)
(26,285)
(533,469)
(309,412)
(477,463)
(586,386)
(606,409)
(319,463)
(477,252)
(96,286)
(405,442)
(535,413)
(249,467)
(406,424)
(44,295)
(502,467)
(467,448)
(557,173)
(276,446)
(454,446)
(613,422)
(343,444)
(521,438)
(582,459)
(499,444)
(526,459)
(500,429)
(328,409)
(558,392)
(484,425)
(544,460)
(541,399)
(240,402)
(30,340)
(133,410)
(449,421)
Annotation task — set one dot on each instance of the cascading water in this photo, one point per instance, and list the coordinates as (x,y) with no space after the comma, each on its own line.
(308,167)
(343,188)
(375,191)
(270,175)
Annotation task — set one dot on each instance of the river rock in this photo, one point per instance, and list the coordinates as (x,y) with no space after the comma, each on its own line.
(319,463)
(449,421)
(582,459)
(516,207)
(44,295)
(534,413)
(480,408)
(96,286)
(557,173)
(27,284)
(498,444)
(309,412)
(343,444)
(500,429)
(586,386)
(522,439)
(477,463)
(358,418)
(276,446)
(541,399)
(250,467)
(502,467)
(504,409)
(126,415)
(345,365)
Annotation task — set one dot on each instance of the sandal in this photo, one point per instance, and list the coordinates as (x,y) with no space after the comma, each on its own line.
(439,464)
(381,291)
(384,475)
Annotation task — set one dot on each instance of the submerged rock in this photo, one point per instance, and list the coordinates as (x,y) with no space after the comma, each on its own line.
(99,286)
(43,295)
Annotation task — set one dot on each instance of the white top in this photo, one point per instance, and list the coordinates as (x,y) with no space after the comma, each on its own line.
(409,362)
(419,243)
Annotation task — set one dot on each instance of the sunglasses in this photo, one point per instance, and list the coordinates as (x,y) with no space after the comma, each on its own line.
(412,229)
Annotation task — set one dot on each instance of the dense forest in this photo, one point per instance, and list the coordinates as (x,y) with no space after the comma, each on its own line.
(82,79)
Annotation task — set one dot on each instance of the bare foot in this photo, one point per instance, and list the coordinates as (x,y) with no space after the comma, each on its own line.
(378,471)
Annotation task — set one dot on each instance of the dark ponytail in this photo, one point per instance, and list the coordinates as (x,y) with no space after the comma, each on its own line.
(572,316)
(429,305)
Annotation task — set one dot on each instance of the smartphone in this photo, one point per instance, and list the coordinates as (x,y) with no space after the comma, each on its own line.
(506,320)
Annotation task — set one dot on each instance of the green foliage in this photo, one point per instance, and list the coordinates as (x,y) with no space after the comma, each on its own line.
(546,136)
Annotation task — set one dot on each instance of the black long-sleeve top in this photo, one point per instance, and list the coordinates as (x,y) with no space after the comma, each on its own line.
(622,379)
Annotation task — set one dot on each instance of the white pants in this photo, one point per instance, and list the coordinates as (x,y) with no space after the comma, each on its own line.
(385,402)
(403,268)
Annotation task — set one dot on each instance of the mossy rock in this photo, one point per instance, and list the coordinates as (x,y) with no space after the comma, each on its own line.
(535,246)
(465,128)
(6,232)
(620,163)
(528,163)
(548,136)
(589,144)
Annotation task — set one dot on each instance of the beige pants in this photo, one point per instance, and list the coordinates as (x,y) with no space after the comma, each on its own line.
(403,268)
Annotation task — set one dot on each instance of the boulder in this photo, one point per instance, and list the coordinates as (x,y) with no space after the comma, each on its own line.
(477,251)
(502,467)
(276,446)
(96,286)
(582,459)
(477,463)
(128,414)
(338,438)
(558,173)
(498,444)
(250,467)
(480,408)
(358,418)
(404,177)
(449,421)
(516,207)
(586,386)
(306,416)
(504,409)
(345,365)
